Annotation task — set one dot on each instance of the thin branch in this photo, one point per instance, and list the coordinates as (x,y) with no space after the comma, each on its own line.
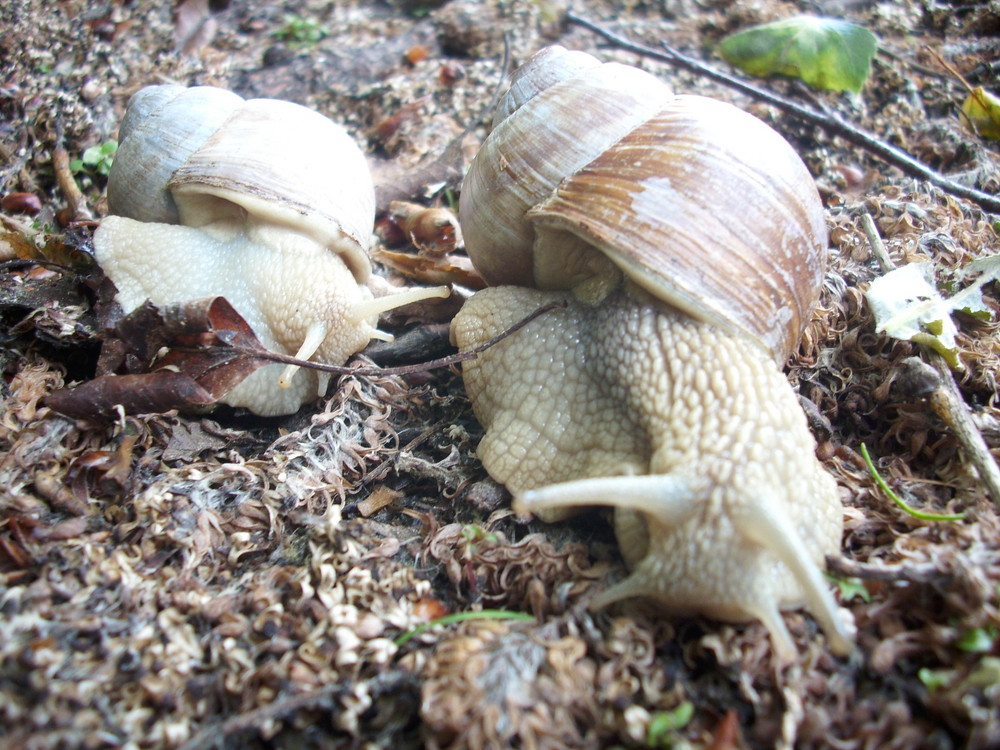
(75,200)
(287,359)
(906,571)
(947,402)
(829,122)
(875,240)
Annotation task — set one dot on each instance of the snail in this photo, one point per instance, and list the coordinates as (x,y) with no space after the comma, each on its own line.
(262,201)
(685,241)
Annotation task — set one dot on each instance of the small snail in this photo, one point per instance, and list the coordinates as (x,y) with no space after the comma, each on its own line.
(264,202)
(686,239)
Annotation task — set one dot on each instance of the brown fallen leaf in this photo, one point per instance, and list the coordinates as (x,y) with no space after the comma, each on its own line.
(209,341)
(13,555)
(146,393)
(448,269)
(727,732)
(189,441)
(380,497)
(433,230)
(209,350)
(69,249)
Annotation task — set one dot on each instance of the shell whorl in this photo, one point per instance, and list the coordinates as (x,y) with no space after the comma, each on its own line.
(544,69)
(162,127)
(195,156)
(700,203)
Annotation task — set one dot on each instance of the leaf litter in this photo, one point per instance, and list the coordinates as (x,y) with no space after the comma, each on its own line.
(183,580)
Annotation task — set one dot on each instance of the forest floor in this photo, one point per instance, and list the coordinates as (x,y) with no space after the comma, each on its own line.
(206,580)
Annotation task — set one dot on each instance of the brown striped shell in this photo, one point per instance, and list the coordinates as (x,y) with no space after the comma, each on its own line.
(698,202)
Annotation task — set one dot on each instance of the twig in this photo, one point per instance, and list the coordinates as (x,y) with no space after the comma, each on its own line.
(829,122)
(67,183)
(287,359)
(977,95)
(379,472)
(950,68)
(946,401)
(902,572)
(878,247)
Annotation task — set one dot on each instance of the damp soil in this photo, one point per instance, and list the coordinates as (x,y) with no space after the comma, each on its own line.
(196,579)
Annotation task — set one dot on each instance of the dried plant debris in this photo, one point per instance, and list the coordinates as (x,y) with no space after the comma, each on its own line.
(209,584)
(492,686)
(192,580)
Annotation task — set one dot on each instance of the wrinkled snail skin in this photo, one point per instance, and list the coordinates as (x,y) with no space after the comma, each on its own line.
(634,395)
(724,509)
(260,276)
(263,202)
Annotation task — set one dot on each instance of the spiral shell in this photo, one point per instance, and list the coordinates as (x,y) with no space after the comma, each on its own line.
(698,202)
(277,161)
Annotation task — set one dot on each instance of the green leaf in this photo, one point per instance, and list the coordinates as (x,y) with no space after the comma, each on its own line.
(483,614)
(826,53)
(300,32)
(474,533)
(935,679)
(977,640)
(662,724)
(982,111)
(96,159)
(853,588)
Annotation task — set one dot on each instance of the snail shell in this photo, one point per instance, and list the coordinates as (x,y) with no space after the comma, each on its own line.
(198,156)
(698,202)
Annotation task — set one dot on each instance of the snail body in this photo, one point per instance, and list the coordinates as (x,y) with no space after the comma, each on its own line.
(657,389)
(264,202)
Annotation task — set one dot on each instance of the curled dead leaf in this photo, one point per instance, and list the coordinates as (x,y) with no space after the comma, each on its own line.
(447,269)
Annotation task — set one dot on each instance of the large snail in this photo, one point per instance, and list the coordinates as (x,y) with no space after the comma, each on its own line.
(264,202)
(686,239)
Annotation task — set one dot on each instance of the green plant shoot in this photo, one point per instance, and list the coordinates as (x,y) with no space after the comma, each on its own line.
(301,32)
(923,516)
(96,160)
(485,614)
